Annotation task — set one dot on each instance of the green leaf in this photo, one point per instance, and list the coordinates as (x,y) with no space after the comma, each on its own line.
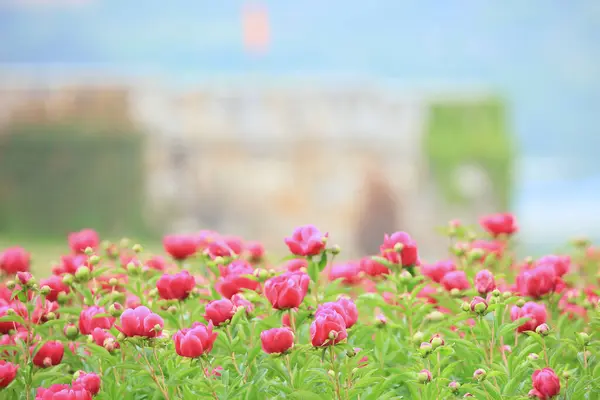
(323,261)
(306,395)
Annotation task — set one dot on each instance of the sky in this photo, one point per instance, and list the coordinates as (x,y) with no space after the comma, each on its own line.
(541,56)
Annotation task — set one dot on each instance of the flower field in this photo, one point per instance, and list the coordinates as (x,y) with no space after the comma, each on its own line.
(215,317)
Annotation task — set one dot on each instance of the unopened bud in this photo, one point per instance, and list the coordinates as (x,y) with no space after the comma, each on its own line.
(133,269)
(153,292)
(436,341)
(418,337)
(68,279)
(333,335)
(70,331)
(435,316)
(47,362)
(11,311)
(172,310)
(62,298)
(398,247)
(566,374)
(261,274)
(506,295)
(82,274)
(335,249)
(157,328)
(465,306)
(467,395)
(455,292)
(480,308)
(137,248)
(115,310)
(331,373)
(381,319)
(219,260)
(496,293)
(88,251)
(11,285)
(45,290)
(475,255)
(459,250)
(351,352)
(587,304)
(543,330)
(113,282)
(479,374)
(424,376)
(50,316)
(533,357)
(425,349)
(520,303)
(94,259)
(583,338)
(404,276)
(454,387)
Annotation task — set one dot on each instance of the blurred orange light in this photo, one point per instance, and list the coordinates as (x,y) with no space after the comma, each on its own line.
(256,32)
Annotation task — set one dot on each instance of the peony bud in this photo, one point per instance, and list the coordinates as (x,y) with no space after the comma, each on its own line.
(543,329)
(418,337)
(219,260)
(566,374)
(62,298)
(454,387)
(425,349)
(533,357)
(479,374)
(94,260)
(133,269)
(88,251)
(113,282)
(68,279)
(583,338)
(45,290)
(436,341)
(424,376)
(11,285)
(466,307)
(50,316)
(398,247)
(435,316)
(506,295)
(82,274)
(520,303)
(496,293)
(137,248)
(71,331)
(381,319)
(331,373)
(115,310)
(404,276)
(335,249)
(455,292)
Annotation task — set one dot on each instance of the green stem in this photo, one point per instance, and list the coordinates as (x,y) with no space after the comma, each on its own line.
(289,368)
(335,372)
(233,360)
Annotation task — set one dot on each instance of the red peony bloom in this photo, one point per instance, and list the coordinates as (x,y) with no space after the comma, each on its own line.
(24,277)
(63,392)
(295,264)
(437,271)
(287,290)
(537,281)
(536,313)
(104,338)
(345,307)
(399,248)
(8,371)
(372,267)
(140,321)
(561,264)
(350,273)
(219,311)
(157,263)
(484,281)
(220,248)
(499,224)
(277,340)
(195,341)
(13,260)
(56,286)
(240,301)
(236,244)
(477,300)
(546,383)
(70,263)
(180,247)
(175,287)
(327,329)
(79,241)
(42,309)
(306,240)
(89,381)
(17,307)
(255,250)
(51,353)
(455,280)
(234,278)
(88,320)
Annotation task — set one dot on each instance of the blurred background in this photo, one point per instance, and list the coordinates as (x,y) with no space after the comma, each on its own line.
(250,118)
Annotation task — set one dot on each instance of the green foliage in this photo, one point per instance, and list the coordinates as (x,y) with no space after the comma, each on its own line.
(56,178)
(475,133)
